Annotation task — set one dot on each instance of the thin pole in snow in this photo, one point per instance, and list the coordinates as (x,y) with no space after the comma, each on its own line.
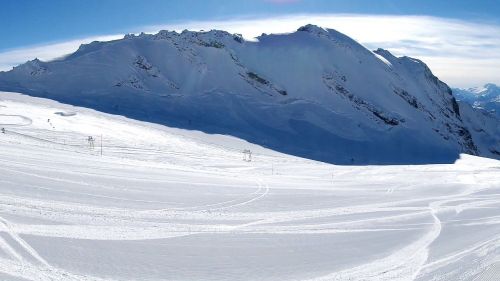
(101,144)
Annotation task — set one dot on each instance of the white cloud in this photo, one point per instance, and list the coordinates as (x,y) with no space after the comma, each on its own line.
(45,52)
(461,53)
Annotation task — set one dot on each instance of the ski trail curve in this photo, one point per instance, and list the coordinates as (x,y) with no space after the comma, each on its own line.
(22,243)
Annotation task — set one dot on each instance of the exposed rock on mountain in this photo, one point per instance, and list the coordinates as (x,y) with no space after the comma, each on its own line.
(314,93)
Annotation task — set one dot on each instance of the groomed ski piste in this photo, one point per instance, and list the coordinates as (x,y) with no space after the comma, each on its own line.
(155,203)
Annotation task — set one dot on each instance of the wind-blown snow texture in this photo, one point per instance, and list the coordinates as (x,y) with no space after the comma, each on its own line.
(171,204)
(314,93)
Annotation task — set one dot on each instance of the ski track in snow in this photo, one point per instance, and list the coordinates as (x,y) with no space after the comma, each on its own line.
(14,120)
(199,203)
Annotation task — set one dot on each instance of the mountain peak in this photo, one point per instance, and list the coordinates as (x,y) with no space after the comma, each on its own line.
(30,64)
(312,29)
(282,91)
(491,86)
(35,61)
(385,54)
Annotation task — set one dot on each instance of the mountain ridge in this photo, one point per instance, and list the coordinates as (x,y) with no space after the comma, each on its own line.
(486,98)
(314,93)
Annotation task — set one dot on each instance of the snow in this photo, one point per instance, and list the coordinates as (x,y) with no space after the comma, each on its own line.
(314,93)
(482,126)
(486,98)
(384,60)
(171,204)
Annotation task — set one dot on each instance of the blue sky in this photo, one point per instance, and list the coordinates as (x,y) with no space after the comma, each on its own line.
(440,32)
(28,22)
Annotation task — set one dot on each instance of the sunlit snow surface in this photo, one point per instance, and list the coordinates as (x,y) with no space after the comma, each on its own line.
(168,204)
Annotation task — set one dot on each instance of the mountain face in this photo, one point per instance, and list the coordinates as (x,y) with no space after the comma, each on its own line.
(314,93)
(486,97)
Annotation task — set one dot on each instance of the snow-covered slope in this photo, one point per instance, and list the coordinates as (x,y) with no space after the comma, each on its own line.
(484,128)
(171,204)
(486,97)
(314,93)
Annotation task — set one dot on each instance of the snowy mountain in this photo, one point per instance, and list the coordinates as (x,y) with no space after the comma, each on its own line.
(486,97)
(314,93)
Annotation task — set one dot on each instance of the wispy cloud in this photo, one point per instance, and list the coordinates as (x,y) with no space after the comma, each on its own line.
(49,51)
(461,53)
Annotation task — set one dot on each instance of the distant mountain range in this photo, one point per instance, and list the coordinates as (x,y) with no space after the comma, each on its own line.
(486,97)
(314,93)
